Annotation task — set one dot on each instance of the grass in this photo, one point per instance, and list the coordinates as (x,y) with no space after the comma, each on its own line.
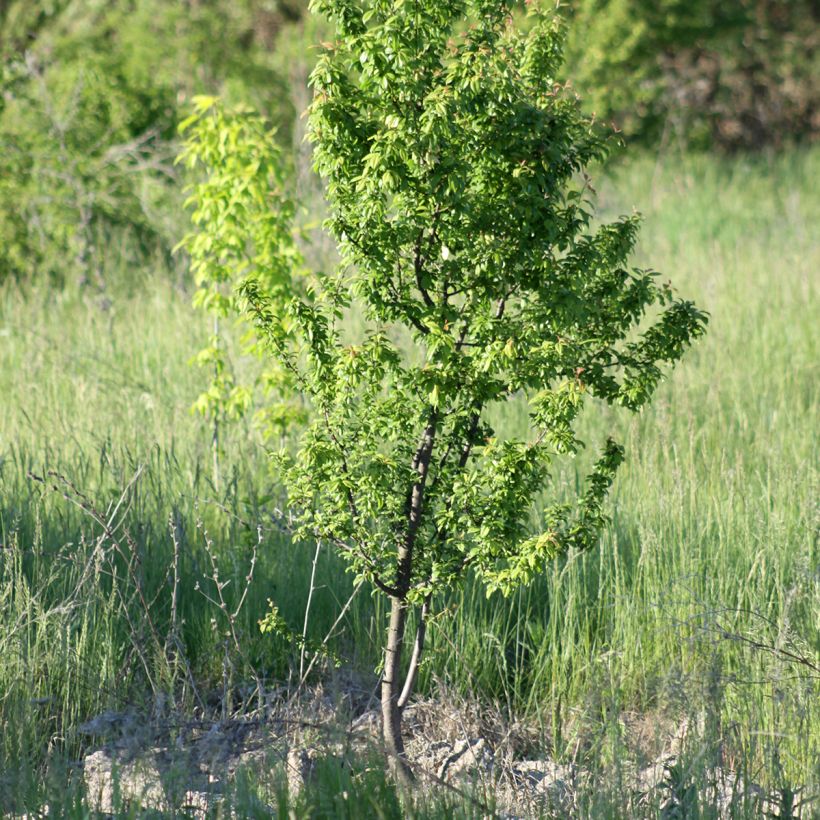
(703,584)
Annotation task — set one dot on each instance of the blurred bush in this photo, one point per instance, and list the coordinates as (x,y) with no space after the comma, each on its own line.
(91,92)
(91,95)
(730,74)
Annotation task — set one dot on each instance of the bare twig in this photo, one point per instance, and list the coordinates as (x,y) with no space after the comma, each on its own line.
(307,610)
(326,639)
(231,615)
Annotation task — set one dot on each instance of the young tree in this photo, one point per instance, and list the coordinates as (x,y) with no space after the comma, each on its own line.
(454,168)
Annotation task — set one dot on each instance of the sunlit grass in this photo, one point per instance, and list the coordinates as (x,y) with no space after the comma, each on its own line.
(714,514)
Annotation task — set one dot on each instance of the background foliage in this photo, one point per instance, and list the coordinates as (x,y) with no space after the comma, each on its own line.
(740,74)
(92,93)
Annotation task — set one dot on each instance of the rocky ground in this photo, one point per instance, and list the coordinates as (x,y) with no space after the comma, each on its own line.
(189,764)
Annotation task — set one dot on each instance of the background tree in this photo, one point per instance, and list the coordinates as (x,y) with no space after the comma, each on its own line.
(454,165)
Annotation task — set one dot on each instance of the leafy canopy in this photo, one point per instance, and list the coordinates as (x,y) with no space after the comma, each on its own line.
(454,166)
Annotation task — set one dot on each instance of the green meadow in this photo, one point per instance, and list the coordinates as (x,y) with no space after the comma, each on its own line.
(701,603)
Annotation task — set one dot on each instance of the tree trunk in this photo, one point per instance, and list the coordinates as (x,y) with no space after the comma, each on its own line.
(391,677)
(391,689)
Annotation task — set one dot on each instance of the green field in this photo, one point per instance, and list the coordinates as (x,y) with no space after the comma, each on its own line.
(703,599)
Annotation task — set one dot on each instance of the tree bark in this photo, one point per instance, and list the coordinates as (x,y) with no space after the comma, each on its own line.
(391,682)
(391,677)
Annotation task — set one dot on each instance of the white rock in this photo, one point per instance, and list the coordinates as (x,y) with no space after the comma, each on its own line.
(547,780)
(113,783)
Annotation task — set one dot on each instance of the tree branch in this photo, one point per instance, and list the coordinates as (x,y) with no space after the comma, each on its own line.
(406,310)
(417,269)
(415,502)
(418,648)
(345,469)
(341,544)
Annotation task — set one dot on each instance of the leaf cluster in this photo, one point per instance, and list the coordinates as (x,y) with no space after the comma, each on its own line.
(456,182)
(246,217)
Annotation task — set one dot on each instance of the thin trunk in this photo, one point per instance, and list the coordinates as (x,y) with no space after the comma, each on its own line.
(391,681)
(303,650)
(391,678)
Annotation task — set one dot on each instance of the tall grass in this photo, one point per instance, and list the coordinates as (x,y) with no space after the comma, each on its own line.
(706,579)
(714,533)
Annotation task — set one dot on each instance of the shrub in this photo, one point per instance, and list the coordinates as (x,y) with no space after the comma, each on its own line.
(91,98)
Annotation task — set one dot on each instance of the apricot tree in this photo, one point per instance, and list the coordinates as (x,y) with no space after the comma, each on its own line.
(454,167)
